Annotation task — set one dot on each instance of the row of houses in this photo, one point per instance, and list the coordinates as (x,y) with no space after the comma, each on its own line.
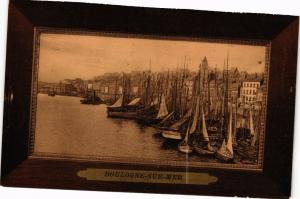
(58,88)
(109,87)
(251,92)
(247,91)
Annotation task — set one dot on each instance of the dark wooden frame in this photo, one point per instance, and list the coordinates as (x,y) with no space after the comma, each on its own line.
(19,169)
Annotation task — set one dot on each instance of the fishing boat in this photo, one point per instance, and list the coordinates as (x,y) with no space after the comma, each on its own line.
(122,114)
(245,127)
(213,122)
(151,116)
(135,103)
(92,99)
(225,152)
(123,107)
(119,110)
(117,106)
(200,139)
(173,131)
(247,148)
(174,135)
(166,122)
(185,146)
(201,142)
(163,111)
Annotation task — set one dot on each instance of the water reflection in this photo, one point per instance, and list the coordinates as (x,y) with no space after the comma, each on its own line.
(66,127)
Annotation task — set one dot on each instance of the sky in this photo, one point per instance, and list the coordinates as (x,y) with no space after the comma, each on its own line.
(67,56)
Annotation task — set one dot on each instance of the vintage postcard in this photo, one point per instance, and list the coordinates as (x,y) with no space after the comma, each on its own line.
(139,99)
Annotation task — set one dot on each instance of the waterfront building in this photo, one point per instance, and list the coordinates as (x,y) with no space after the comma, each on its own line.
(249,91)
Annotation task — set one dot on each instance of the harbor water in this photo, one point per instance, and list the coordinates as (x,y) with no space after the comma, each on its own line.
(67,128)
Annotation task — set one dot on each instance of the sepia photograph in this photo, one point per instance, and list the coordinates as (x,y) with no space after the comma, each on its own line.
(149,99)
(166,100)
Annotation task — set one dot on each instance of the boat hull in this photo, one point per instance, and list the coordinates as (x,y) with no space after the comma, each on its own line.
(174,135)
(114,109)
(202,151)
(148,120)
(91,103)
(166,128)
(226,157)
(185,148)
(249,152)
(122,114)
(92,100)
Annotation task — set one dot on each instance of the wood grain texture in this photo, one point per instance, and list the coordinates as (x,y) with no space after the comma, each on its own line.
(20,170)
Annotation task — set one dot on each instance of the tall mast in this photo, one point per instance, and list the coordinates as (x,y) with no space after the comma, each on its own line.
(216,94)
(208,91)
(235,121)
(216,83)
(123,90)
(226,97)
(180,89)
(176,91)
(198,91)
(183,87)
(167,83)
(116,89)
(223,91)
(148,89)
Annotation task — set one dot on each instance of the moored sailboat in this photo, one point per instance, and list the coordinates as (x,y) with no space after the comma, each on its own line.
(119,110)
(122,108)
(92,99)
(185,146)
(135,102)
(151,115)
(173,131)
(248,149)
(201,142)
(225,152)
(163,111)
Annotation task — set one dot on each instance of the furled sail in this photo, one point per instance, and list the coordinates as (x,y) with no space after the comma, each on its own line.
(252,130)
(226,150)
(119,102)
(251,125)
(167,117)
(154,102)
(229,140)
(216,110)
(186,138)
(195,117)
(204,129)
(241,122)
(176,126)
(254,139)
(222,149)
(163,111)
(135,101)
